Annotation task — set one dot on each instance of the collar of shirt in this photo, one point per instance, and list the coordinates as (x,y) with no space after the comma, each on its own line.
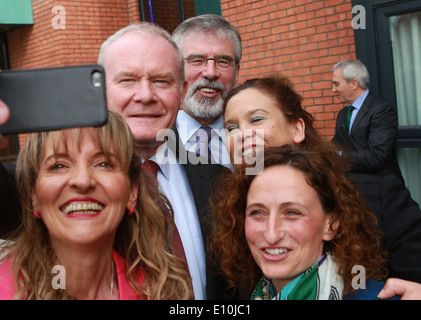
(187,127)
(360,100)
(164,157)
(175,185)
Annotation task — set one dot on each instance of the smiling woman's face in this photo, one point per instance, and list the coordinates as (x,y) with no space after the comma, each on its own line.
(285,224)
(254,121)
(80,193)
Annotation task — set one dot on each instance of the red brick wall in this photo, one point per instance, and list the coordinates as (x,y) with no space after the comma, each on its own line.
(133,10)
(302,39)
(87,25)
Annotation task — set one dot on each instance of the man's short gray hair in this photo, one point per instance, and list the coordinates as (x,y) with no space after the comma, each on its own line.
(209,23)
(142,27)
(354,69)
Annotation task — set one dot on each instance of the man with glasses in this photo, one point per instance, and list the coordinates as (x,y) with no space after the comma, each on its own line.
(212,51)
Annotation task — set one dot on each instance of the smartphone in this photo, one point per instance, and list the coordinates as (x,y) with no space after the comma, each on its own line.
(53,98)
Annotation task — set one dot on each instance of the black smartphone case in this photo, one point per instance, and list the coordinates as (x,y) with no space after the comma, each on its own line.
(53,98)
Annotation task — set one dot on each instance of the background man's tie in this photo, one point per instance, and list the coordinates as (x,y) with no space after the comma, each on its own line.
(348,116)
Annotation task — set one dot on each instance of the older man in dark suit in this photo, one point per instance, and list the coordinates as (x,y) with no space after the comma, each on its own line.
(398,222)
(371,123)
(367,128)
(145,84)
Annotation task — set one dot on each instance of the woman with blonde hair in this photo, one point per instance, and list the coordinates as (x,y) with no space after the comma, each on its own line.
(87,210)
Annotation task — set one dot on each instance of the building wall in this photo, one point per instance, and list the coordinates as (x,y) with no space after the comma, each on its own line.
(301,38)
(70,37)
(73,40)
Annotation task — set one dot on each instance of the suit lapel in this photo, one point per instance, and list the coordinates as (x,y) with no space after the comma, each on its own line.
(198,176)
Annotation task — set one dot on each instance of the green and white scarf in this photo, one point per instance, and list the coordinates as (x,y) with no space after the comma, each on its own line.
(320,282)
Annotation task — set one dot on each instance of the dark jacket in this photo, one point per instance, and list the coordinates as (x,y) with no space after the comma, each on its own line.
(399,222)
(9,202)
(374,131)
(201,177)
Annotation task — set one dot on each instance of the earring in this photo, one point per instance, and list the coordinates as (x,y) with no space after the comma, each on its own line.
(37,215)
(131,211)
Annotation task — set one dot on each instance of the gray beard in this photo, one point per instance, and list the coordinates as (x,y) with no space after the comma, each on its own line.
(204,108)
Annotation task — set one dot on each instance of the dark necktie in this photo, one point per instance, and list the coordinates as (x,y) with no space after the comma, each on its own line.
(203,138)
(177,246)
(348,116)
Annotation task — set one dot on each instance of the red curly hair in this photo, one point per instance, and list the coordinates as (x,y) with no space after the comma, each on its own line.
(356,241)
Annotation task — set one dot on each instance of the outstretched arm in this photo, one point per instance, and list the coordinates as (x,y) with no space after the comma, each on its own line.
(408,290)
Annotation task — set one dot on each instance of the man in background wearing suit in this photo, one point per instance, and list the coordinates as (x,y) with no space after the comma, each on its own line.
(373,124)
(368,134)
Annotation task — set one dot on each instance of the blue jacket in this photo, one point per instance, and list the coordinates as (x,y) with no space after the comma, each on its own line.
(373,287)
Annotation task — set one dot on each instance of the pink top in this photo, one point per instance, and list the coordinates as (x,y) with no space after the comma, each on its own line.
(7,287)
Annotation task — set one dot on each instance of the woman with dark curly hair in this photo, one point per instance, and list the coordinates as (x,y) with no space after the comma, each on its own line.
(261,113)
(301,228)
(267,111)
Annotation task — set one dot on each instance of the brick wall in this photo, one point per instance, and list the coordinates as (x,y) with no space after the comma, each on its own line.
(302,39)
(86,25)
(53,42)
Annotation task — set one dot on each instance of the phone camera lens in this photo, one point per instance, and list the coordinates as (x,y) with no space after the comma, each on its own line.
(96,79)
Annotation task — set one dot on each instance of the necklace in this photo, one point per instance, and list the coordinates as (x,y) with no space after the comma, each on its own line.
(112,280)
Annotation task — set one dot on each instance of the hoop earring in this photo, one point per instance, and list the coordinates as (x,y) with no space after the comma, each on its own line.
(131,211)
(37,215)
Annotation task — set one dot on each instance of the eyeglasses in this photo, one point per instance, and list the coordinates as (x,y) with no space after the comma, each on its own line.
(222,63)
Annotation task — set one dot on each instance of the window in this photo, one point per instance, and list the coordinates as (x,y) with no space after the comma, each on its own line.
(169,13)
(390,46)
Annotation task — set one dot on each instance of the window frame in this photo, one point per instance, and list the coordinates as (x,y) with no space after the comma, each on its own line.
(372,46)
